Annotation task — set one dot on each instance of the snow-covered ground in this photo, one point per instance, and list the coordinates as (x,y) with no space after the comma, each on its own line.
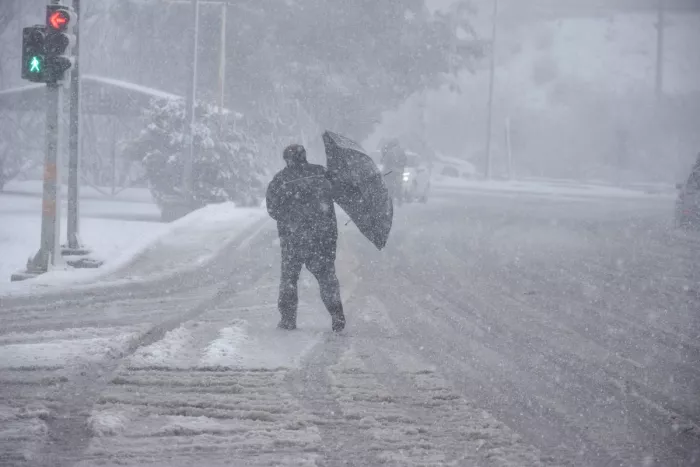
(546,188)
(203,376)
(109,240)
(131,249)
(109,226)
(492,331)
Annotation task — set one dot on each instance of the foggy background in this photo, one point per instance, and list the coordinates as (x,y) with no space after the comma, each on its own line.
(574,80)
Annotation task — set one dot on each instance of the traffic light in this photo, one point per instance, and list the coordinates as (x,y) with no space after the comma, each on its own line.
(60,23)
(33,57)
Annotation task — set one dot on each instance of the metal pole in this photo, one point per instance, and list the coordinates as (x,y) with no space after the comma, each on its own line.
(113,154)
(222,58)
(49,251)
(492,73)
(423,121)
(660,26)
(190,109)
(74,142)
(509,149)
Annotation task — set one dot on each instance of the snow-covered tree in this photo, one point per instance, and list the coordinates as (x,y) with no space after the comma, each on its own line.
(225,166)
(344,62)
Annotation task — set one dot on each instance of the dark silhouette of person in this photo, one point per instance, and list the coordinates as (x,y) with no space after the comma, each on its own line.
(300,199)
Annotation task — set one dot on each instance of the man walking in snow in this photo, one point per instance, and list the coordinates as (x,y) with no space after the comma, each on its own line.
(300,199)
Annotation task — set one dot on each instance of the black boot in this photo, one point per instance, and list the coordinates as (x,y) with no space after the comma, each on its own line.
(287,323)
(338,321)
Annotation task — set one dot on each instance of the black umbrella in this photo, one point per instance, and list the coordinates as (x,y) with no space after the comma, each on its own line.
(359,187)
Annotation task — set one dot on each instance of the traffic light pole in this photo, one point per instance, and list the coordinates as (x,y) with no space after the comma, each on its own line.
(73,229)
(49,251)
(46,51)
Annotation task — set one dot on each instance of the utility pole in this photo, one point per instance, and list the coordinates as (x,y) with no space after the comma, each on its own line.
(660,26)
(190,109)
(492,73)
(509,149)
(423,120)
(74,242)
(222,57)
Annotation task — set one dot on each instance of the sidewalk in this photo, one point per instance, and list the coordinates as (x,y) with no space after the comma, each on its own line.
(133,249)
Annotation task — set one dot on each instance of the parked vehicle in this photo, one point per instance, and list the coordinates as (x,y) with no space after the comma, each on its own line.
(451,167)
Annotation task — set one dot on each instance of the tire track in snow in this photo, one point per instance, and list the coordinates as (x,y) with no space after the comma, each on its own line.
(379,409)
(471,305)
(344,437)
(464,433)
(650,369)
(466,363)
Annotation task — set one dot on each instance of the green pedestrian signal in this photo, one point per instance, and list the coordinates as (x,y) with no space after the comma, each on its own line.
(35,65)
(33,54)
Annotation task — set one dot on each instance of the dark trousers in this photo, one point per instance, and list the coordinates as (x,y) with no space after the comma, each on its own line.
(319,259)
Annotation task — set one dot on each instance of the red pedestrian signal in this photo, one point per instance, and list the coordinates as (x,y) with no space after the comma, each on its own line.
(58,20)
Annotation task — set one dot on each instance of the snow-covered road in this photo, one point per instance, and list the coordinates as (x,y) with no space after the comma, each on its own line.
(491,331)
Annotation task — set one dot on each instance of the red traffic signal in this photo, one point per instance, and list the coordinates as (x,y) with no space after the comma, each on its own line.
(59,20)
(60,23)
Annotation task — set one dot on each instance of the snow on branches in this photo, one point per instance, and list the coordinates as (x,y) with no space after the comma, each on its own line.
(225,166)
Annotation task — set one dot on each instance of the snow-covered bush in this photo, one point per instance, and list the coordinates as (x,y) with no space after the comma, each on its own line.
(225,161)
(20,148)
(12,163)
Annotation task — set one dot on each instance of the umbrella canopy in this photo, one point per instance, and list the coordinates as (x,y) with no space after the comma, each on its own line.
(359,187)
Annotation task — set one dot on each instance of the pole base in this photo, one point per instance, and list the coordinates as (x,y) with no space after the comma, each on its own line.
(23,276)
(84,263)
(79,251)
(36,265)
(79,258)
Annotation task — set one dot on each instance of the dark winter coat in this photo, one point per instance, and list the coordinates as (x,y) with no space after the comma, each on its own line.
(300,199)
